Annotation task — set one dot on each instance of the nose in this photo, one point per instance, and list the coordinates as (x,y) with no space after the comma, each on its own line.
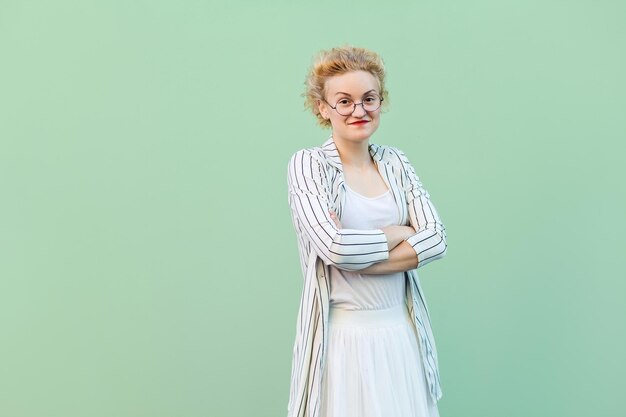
(359,111)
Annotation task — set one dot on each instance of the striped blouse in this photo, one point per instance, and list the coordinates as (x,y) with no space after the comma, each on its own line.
(316,185)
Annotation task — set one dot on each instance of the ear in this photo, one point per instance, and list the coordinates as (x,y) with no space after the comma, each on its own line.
(323,109)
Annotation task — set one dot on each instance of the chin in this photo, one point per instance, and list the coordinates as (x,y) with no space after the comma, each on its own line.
(363,134)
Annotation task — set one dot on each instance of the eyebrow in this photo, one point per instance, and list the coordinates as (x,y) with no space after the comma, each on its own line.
(341,92)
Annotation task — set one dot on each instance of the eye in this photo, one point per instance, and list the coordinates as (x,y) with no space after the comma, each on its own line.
(370,99)
(344,101)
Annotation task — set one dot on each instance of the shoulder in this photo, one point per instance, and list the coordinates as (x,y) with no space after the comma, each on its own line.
(392,155)
(310,154)
(307,159)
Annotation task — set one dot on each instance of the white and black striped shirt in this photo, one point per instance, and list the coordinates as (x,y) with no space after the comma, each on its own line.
(316,185)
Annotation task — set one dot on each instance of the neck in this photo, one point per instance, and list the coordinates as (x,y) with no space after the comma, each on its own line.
(353,154)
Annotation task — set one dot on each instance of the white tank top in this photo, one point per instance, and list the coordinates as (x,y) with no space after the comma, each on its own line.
(351,290)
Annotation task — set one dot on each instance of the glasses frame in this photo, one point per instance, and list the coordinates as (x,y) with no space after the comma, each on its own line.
(354,107)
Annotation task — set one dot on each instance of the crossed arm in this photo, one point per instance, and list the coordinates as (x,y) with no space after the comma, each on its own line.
(376,251)
(402,256)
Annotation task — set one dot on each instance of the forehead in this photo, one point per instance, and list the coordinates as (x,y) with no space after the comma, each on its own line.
(353,83)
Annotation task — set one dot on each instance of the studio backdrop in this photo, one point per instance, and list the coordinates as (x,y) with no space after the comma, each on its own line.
(148,263)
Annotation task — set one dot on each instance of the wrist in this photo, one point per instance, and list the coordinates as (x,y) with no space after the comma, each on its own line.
(409,232)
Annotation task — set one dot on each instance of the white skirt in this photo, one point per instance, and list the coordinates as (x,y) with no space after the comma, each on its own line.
(373,366)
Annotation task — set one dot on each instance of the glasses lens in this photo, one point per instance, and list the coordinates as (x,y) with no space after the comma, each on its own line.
(345,107)
(371,103)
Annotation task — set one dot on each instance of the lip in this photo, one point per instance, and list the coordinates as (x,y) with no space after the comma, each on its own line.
(360,122)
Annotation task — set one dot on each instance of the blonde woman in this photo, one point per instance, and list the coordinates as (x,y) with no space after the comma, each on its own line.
(364,224)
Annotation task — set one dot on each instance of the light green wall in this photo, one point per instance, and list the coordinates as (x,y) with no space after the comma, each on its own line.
(148,264)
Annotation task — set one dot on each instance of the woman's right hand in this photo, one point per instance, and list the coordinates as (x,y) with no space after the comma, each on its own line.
(396,234)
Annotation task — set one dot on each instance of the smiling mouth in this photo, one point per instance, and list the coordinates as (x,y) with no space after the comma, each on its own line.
(362,122)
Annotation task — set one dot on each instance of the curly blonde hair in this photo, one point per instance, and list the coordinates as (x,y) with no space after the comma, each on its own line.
(337,61)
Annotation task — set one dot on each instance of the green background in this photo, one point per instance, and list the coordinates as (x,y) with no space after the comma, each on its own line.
(148,264)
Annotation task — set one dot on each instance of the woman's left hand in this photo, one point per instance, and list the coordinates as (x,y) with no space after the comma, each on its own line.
(335,219)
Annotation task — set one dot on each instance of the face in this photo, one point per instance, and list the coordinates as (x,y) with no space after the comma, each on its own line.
(356,86)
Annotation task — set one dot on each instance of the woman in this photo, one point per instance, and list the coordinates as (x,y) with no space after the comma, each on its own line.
(364,224)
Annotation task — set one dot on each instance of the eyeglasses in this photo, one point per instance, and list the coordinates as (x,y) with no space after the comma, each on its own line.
(345,106)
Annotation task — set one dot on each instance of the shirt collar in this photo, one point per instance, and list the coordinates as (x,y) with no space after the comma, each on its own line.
(332,153)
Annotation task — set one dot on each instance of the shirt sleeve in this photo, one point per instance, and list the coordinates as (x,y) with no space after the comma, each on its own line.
(348,249)
(429,241)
